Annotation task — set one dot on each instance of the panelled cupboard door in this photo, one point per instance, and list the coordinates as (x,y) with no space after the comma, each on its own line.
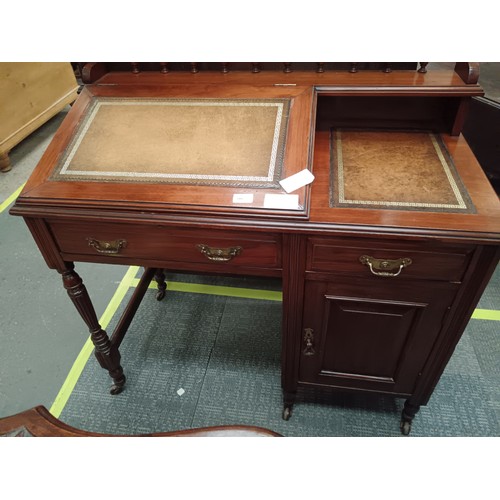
(371,334)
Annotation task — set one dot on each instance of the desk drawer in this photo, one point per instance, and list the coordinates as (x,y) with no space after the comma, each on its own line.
(116,241)
(406,259)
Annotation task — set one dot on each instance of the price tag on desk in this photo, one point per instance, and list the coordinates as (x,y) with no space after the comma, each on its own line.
(283,201)
(296,181)
(243,198)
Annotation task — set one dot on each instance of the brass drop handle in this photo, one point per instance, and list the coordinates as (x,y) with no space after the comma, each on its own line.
(219,254)
(384,267)
(107,247)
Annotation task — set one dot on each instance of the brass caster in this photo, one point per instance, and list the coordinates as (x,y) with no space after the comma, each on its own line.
(118,386)
(405,427)
(287,413)
(116,389)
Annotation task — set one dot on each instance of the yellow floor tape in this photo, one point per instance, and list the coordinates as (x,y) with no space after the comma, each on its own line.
(11,199)
(226,291)
(489,314)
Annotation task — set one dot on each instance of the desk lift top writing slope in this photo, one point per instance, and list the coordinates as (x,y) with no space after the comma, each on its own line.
(382,258)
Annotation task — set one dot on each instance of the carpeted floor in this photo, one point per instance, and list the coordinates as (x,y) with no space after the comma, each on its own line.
(224,353)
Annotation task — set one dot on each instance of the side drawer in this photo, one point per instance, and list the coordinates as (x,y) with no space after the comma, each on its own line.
(422,259)
(115,241)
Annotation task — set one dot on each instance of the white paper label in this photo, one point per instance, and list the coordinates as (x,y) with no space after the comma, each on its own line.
(243,198)
(296,181)
(285,201)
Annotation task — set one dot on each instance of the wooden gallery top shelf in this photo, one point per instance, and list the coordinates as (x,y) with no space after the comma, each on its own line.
(403,82)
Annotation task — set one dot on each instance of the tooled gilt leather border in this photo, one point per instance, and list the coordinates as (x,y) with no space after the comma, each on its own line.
(338,197)
(62,172)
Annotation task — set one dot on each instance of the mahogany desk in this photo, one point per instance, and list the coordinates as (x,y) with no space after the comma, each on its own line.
(377,291)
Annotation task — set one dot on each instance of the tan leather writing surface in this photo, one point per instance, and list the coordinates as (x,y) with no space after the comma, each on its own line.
(180,140)
(395,169)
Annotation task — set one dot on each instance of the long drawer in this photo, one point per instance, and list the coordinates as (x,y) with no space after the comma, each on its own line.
(402,259)
(125,241)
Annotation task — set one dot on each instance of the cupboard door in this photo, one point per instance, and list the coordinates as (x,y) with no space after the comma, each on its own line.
(371,336)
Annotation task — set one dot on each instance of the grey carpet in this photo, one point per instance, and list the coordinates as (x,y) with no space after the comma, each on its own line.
(224,352)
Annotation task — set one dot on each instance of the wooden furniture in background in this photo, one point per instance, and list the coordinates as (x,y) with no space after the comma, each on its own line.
(38,422)
(375,297)
(31,94)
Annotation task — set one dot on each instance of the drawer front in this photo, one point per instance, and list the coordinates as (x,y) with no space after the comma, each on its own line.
(116,241)
(386,259)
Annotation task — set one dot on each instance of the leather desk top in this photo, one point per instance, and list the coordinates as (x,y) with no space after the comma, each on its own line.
(405,170)
(231,142)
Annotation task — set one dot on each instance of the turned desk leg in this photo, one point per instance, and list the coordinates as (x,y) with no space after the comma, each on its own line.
(107,354)
(5,162)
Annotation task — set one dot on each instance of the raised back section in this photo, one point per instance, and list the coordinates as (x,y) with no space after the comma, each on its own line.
(409,95)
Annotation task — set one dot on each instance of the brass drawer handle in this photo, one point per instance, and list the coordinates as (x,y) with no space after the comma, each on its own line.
(107,247)
(383,267)
(219,254)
